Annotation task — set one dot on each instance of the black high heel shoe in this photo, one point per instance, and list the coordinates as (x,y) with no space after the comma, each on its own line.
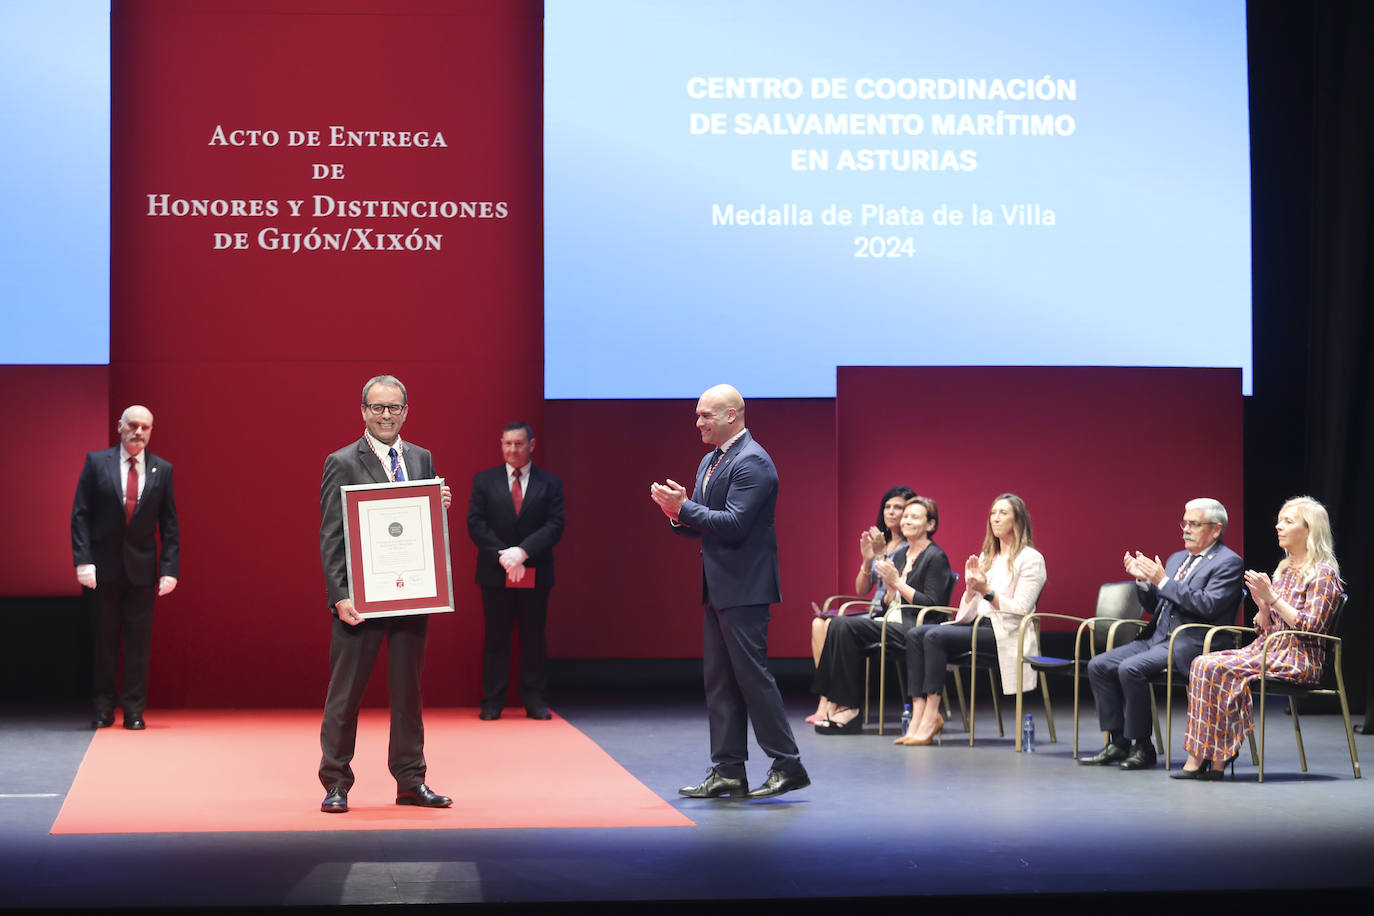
(854,726)
(1204,773)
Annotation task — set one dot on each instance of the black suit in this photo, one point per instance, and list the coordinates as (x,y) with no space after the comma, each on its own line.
(732,514)
(128,565)
(493,526)
(353,650)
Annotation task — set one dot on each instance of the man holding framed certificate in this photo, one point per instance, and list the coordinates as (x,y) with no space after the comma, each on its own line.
(380,457)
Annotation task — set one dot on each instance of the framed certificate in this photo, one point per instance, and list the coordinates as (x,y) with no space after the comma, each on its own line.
(396,544)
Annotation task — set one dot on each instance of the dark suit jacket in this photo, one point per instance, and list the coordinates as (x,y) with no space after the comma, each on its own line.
(734,519)
(100,534)
(350,465)
(1210,594)
(494,526)
(930,576)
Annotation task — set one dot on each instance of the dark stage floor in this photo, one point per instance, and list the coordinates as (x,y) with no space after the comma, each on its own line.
(879,821)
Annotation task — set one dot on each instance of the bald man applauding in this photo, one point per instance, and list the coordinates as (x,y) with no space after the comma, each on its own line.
(731,511)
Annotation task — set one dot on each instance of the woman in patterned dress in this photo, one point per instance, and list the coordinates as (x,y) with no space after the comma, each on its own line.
(1303,596)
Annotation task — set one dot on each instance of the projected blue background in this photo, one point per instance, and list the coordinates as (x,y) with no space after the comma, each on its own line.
(55,182)
(1148,263)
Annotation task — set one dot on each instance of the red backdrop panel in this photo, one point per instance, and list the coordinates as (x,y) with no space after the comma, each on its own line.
(253,360)
(1105,458)
(628,587)
(67,414)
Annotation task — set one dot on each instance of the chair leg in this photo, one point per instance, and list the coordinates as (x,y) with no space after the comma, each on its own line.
(1261,731)
(1159,732)
(1049,711)
(972,704)
(1169,716)
(1017,718)
(996,706)
(1345,713)
(1076,689)
(1254,753)
(882,684)
(963,702)
(866,691)
(1297,732)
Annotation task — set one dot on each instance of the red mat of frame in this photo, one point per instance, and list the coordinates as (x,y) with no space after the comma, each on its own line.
(232,770)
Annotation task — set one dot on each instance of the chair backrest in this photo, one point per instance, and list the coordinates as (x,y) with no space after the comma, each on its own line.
(1117,601)
(1329,655)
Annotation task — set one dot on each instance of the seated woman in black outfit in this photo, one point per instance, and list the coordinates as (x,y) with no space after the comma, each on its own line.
(880,542)
(917,574)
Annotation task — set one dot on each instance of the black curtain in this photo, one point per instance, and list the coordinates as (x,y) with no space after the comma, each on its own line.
(1309,427)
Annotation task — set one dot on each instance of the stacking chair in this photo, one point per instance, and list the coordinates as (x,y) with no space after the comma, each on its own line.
(1172,675)
(1331,684)
(1118,605)
(894,616)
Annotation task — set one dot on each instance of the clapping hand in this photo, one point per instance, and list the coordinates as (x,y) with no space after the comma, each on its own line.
(975,580)
(1260,587)
(886,571)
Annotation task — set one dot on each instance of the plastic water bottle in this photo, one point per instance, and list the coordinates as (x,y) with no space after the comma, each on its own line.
(1028,734)
(906,718)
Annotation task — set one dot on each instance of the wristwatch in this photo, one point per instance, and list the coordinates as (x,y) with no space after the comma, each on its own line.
(989,596)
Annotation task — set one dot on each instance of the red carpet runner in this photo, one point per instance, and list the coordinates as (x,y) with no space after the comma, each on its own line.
(232,770)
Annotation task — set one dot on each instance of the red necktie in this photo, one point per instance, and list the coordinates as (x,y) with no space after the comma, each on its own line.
(516,496)
(131,492)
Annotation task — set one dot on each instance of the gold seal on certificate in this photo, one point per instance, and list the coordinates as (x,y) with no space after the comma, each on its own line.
(396,540)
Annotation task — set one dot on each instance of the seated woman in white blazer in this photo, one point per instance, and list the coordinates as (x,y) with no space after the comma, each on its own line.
(1003,581)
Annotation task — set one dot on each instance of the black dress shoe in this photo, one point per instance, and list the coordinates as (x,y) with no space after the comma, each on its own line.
(103,720)
(336,802)
(1141,757)
(489,713)
(715,786)
(422,796)
(779,782)
(537,712)
(134,723)
(1112,753)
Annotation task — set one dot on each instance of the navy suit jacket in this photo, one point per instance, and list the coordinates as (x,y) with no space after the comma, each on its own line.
(494,526)
(1210,594)
(351,465)
(101,536)
(733,516)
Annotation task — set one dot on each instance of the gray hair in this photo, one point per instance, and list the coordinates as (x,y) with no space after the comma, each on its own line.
(390,381)
(1213,512)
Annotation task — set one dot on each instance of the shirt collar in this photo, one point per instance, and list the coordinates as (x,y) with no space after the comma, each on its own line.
(381,449)
(137,459)
(730,443)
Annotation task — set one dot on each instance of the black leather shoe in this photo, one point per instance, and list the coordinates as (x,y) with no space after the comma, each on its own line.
(103,720)
(779,782)
(134,723)
(336,802)
(715,786)
(1112,753)
(1141,757)
(1203,772)
(489,713)
(423,796)
(537,712)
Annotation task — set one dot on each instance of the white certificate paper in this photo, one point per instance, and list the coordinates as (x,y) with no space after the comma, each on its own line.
(398,549)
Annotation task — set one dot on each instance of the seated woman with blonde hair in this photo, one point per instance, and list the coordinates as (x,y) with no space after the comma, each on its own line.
(1303,595)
